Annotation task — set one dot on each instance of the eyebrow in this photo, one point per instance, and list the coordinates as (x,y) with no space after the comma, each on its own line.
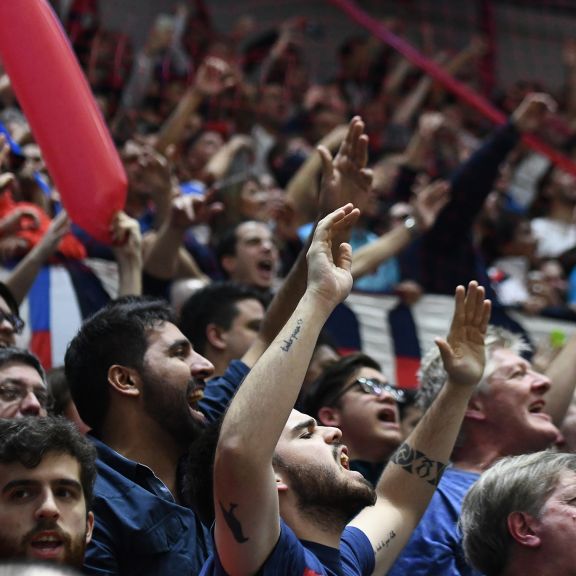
(24,483)
(305,425)
(179,343)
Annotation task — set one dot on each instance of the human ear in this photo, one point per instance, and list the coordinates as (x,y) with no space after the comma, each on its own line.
(215,336)
(123,380)
(523,529)
(329,416)
(89,527)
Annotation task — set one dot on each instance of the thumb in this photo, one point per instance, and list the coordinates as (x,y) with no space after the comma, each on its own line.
(445,350)
(345,256)
(326,158)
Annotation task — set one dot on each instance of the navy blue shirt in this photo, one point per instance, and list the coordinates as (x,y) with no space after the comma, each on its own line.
(139,528)
(293,557)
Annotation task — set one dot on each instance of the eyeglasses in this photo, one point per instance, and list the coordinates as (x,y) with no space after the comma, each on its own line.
(13,319)
(10,393)
(375,387)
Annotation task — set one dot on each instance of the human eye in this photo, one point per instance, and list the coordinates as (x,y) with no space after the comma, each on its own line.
(181,350)
(10,393)
(21,494)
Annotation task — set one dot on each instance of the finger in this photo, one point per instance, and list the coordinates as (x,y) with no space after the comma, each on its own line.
(362,151)
(486,312)
(328,221)
(470,301)
(345,257)
(459,315)
(446,352)
(478,313)
(326,159)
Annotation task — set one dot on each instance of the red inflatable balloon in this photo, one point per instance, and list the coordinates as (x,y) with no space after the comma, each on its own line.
(62,113)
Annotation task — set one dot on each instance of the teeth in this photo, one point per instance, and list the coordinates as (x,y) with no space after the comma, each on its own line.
(344,460)
(195,396)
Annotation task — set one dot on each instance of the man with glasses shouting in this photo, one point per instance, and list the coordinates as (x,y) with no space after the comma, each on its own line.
(23,389)
(354,395)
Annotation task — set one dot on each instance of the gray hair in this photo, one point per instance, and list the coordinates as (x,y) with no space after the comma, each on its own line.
(432,375)
(514,484)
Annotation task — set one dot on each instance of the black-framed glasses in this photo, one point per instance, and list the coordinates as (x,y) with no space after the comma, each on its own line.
(375,387)
(11,393)
(13,319)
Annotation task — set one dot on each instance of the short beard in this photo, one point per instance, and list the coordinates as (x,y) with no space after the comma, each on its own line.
(170,409)
(324,497)
(73,549)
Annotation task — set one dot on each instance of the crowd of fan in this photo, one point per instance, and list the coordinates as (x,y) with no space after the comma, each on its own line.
(258,197)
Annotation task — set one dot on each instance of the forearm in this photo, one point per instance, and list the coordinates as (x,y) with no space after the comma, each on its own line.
(302,190)
(412,102)
(369,257)
(271,388)
(161,252)
(129,276)
(562,373)
(172,130)
(410,478)
(23,276)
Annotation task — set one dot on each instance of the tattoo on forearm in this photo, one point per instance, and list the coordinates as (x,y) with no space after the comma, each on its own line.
(385,543)
(233,523)
(418,463)
(294,336)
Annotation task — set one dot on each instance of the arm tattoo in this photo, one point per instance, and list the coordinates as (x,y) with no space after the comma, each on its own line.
(233,523)
(385,543)
(418,463)
(294,336)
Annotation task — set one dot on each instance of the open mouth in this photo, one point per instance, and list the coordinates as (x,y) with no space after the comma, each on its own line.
(344,459)
(47,545)
(537,409)
(266,266)
(387,415)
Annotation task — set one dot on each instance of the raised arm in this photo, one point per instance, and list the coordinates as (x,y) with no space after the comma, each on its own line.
(23,276)
(408,482)
(427,204)
(213,77)
(127,247)
(344,179)
(245,493)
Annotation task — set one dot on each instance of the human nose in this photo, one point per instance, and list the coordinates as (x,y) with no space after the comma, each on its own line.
(201,367)
(6,325)
(48,507)
(332,434)
(540,383)
(30,406)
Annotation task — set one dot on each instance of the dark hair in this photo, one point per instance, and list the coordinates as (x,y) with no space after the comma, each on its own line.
(27,440)
(59,390)
(215,303)
(21,356)
(226,245)
(498,232)
(117,334)
(331,382)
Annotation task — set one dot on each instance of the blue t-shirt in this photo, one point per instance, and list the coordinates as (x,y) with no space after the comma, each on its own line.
(293,557)
(435,548)
(139,528)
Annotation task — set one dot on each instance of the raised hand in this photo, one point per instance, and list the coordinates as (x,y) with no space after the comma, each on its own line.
(429,201)
(532,111)
(345,178)
(126,236)
(329,267)
(214,76)
(193,209)
(463,352)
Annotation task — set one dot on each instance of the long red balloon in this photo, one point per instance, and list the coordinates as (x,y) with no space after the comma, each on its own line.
(62,113)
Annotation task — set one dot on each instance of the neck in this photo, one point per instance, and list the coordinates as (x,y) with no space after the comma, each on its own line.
(147,444)
(475,457)
(316,525)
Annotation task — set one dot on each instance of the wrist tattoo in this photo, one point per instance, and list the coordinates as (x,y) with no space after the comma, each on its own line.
(418,463)
(294,336)
(385,543)
(233,523)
